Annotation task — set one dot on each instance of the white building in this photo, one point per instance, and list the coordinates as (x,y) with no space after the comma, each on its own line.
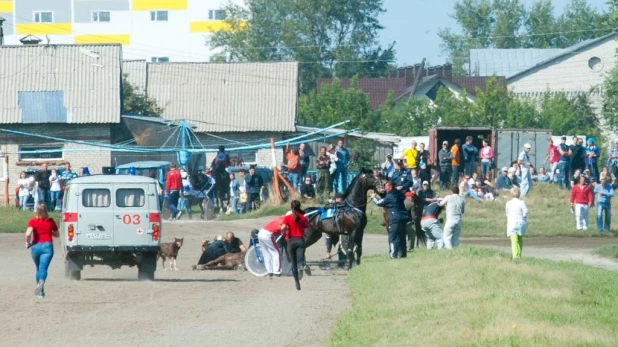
(154,30)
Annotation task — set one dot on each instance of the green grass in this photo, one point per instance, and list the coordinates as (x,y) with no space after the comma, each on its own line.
(548,205)
(608,251)
(14,220)
(478,297)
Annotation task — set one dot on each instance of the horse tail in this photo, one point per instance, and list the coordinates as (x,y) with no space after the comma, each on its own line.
(421,238)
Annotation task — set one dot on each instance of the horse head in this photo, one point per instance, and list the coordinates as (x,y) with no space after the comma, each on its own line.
(371,181)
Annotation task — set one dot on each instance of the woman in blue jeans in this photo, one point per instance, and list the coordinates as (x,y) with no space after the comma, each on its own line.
(39,235)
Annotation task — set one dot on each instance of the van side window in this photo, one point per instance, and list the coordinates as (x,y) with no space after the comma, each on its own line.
(67,192)
(96,198)
(130,197)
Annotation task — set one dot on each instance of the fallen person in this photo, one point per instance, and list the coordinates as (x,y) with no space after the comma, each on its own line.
(212,251)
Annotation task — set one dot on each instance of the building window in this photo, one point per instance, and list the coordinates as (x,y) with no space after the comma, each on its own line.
(43,17)
(595,64)
(160,59)
(101,16)
(244,157)
(158,16)
(216,14)
(40,153)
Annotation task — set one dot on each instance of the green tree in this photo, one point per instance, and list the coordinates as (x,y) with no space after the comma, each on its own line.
(412,117)
(335,104)
(610,98)
(329,38)
(453,111)
(362,151)
(137,102)
(508,24)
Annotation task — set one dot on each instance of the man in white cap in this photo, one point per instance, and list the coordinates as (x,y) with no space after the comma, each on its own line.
(503,182)
(524,164)
(445,158)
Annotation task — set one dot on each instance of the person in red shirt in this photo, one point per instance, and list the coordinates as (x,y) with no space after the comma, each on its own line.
(39,235)
(581,199)
(553,157)
(267,237)
(294,225)
(173,187)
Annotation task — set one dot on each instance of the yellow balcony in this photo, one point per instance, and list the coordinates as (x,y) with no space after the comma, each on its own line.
(149,5)
(6,6)
(44,29)
(124,40)
(212,26)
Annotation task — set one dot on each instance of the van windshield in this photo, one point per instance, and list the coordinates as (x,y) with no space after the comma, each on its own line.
(133,197)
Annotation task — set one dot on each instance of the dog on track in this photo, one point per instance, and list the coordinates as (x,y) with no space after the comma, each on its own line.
(169,251)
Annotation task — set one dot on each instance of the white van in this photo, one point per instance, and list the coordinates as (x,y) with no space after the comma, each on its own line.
(112,220)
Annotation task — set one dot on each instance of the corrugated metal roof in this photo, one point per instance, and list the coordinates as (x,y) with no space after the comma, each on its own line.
(89,76)
(507,62)
(380,137)
(136,71)
(227,97)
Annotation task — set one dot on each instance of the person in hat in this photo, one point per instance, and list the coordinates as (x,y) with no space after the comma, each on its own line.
(401,177)
(592,154)
(524,163)
(397,217)
(445,160)
(426,195)
(563,164)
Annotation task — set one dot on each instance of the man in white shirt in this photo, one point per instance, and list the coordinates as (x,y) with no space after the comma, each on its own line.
(455,207)
(524,164)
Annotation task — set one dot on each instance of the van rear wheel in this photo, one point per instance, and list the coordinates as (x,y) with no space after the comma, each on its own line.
(72,270)
(146,268)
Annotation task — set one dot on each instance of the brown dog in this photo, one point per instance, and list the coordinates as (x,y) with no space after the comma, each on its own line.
(169,251)
(204,245)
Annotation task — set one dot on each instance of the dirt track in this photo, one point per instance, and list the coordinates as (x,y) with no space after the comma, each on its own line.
(197,308)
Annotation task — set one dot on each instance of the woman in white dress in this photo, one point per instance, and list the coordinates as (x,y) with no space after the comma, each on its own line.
(516,222)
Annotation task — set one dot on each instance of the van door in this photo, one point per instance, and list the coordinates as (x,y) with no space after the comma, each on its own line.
(95,220)
(131,215)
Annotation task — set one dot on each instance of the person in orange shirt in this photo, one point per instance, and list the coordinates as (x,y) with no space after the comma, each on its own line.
(455,162)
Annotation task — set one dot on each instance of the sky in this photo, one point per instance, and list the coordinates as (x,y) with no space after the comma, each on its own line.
(413,25)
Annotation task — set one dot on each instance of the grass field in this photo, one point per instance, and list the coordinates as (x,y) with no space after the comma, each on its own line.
(13,220)
(549,215)
(609,251)
(478,297)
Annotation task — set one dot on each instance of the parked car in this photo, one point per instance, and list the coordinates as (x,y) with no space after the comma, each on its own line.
(111,220)
(145,168)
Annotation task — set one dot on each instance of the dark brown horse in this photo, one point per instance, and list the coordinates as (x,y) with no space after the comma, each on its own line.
(354,218)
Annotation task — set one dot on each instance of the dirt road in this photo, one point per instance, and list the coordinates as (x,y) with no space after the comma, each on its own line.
(197,308)
(190,308)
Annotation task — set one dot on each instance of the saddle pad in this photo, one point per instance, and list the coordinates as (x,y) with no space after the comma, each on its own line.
(328,213)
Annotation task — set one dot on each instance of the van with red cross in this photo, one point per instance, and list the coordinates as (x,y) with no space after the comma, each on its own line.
(112,220)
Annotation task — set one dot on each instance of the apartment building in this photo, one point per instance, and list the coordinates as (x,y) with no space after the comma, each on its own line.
(154,30)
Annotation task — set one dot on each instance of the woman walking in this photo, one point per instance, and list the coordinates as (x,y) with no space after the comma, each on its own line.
(516,222)
(294,225)
(39,234)
(581,200)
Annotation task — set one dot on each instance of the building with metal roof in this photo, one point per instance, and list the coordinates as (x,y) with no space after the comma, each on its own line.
(75,84)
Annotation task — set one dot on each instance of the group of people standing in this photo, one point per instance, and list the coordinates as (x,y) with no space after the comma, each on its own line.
(45,186)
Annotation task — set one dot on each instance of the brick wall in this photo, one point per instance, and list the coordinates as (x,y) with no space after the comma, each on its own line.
(82,132)
(263,156)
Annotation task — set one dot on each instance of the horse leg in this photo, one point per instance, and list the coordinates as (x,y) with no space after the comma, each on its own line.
(201,203)
(359,245)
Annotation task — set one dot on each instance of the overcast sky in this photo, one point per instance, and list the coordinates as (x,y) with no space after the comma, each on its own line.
(414,25)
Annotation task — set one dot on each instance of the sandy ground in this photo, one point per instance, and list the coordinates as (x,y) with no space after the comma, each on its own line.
(198,308)
(185,307)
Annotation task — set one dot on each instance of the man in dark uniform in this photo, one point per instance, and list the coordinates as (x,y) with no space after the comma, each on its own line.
(401,177)
(254,184)
(398,217)
(578,154)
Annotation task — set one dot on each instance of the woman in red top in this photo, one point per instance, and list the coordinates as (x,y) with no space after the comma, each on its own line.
(294,226)
(39,234)
(581,200)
